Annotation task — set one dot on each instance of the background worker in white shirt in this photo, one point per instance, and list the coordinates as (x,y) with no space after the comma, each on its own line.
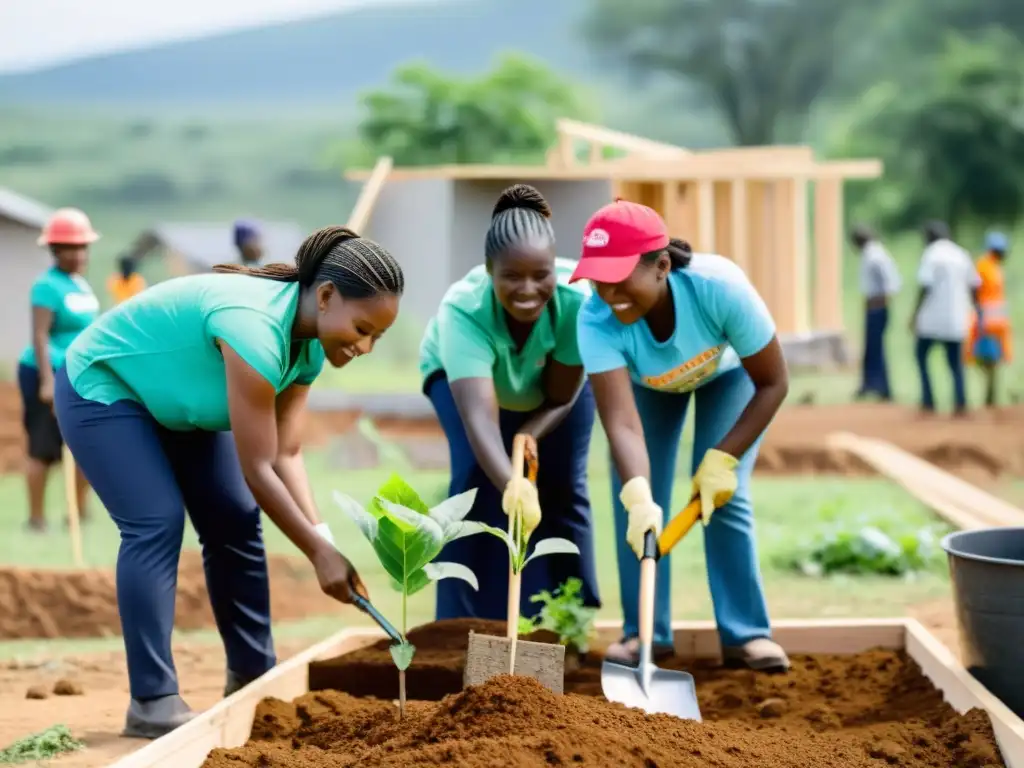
(879,281)
(949,286)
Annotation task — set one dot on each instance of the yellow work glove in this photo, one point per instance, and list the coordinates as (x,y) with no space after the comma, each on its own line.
(644,514)
(522,490)
(715,482)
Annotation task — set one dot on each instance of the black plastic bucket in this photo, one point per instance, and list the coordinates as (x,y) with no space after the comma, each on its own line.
(987,570)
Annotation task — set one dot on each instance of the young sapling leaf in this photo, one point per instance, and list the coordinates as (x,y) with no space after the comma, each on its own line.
(438,571)
(402,654)
(552,546)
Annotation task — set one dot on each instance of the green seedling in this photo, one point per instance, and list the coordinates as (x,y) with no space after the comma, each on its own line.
(518,543)
(407,535)
(517,539)
(564,613)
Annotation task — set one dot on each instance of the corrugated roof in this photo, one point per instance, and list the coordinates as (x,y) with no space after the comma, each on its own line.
(207,244)
(23,210)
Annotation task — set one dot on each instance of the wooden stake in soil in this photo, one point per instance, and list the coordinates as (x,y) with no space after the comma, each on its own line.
(74,513)
(515,527)
(485,655)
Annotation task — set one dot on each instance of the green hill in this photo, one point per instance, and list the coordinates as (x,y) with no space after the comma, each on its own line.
(324,60)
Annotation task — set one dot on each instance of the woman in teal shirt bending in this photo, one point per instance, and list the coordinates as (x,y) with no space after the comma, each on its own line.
(63,304)
(188,396)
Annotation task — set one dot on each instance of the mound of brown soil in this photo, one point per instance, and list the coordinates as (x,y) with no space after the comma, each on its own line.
(83,603)
(856,712)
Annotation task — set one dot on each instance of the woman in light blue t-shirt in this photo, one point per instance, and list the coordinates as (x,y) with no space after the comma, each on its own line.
(664,323)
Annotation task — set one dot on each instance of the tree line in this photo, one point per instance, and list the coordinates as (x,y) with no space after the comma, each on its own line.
(933,87)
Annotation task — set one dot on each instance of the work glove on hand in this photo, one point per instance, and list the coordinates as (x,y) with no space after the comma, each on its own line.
(521,490)
(325,532)
(644,514)
(715,482)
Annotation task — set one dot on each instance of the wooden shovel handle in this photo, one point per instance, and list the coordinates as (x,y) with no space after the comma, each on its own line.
(524,456)
(71,504)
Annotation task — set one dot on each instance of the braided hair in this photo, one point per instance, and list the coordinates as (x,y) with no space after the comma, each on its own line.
(679,252)
(520,217)
(358,267)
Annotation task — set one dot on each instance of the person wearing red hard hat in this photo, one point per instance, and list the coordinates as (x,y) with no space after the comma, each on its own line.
(663,324)
(63,304)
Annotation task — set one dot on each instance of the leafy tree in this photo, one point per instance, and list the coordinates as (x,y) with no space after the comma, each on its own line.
(426,117)
(951,135)
(762,63)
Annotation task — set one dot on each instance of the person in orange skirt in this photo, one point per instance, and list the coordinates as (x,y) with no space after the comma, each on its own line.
(991,341)
(126,282)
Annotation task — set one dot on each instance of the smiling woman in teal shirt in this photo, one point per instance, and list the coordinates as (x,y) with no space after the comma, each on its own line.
(500,359)
(146,401)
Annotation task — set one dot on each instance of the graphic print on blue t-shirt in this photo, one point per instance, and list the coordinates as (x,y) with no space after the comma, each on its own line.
(689,375)
(720,318)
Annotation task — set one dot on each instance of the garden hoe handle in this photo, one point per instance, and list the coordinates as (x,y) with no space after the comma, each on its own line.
(71,503)
(366,607)
(679,526)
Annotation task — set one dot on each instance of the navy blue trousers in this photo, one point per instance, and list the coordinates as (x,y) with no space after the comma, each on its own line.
(564,502)
(955,361)
(147,476)
(875,372)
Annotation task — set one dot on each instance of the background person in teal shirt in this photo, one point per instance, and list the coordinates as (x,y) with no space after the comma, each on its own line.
(62,304)
(665,323)
(500,358)
(146,400)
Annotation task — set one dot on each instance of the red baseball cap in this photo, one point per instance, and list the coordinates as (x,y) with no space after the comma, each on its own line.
(614,240)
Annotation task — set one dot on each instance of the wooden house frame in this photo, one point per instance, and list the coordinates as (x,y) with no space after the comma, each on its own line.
(777,211)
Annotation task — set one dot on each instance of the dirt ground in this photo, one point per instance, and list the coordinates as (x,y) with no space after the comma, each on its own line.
(858,711)
(45,604)
(97,716)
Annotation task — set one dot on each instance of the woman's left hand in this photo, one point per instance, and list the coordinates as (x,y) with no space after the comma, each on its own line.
(715,482)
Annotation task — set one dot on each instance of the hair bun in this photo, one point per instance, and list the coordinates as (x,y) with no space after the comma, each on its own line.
(522,196)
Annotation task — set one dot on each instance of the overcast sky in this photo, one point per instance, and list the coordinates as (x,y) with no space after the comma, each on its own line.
(36,32)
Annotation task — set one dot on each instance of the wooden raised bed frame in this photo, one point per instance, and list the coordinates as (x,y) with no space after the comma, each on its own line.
(229,722)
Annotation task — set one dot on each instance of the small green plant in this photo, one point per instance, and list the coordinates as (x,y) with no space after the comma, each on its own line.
(563,613)
(518,543)
(867,550)
(45,745)
(407,535)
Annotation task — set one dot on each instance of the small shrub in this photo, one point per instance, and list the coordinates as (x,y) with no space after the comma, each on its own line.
(45,745)
(867,550)
(563,613)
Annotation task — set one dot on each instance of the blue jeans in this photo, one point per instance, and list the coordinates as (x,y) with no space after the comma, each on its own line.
(955,361)
(733,572)
(875,373)
(564,501)
(146,476)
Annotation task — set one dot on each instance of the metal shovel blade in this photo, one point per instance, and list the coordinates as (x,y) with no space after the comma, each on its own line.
(654,690)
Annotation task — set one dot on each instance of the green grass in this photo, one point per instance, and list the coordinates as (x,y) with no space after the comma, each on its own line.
(789,513)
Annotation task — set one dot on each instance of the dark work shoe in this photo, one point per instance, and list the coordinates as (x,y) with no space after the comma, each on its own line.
(154,718)
(235,682)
